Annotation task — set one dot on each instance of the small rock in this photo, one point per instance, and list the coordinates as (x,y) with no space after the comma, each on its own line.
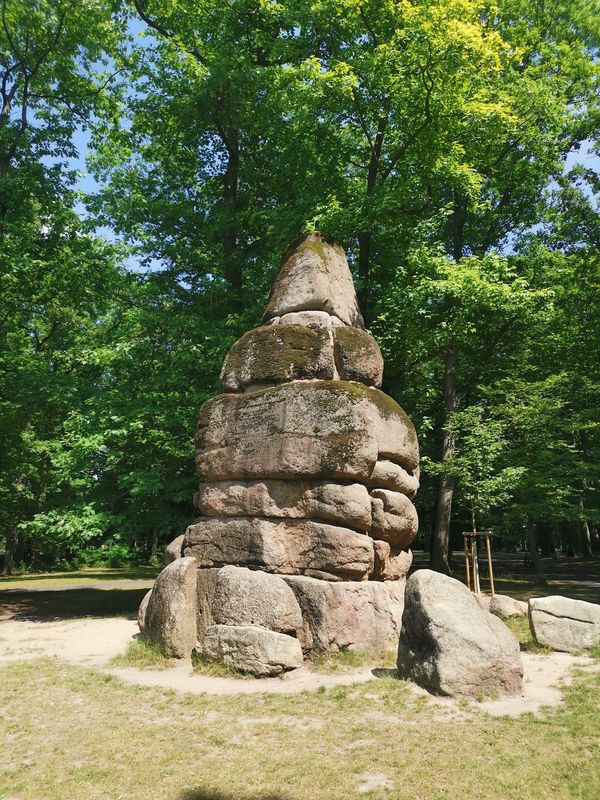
(564,624)
(451,645)
(504,606)
(174,550)
(141,617)
(250,649)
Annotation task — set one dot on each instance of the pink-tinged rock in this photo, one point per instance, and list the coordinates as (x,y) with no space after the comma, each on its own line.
(292,547)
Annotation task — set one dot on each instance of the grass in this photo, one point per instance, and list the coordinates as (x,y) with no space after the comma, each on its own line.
(91,575)
(69,732)
(214,669)
(345,660)
(520,627)
(144,654)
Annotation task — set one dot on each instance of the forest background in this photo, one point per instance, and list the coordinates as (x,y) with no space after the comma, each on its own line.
(451,146)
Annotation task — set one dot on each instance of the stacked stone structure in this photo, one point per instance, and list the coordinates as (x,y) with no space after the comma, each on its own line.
(307,475)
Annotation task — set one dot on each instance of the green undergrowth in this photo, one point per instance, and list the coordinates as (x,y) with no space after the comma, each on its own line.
(214,669)
(520,627)
(143,654)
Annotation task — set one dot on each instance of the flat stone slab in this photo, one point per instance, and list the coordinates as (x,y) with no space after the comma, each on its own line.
(564,624)
(249,649)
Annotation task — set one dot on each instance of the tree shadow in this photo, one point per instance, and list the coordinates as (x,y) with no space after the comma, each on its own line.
(40,606)
(385,672)
(212,794)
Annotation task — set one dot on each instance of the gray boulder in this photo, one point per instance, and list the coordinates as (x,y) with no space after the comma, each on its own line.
(250,649)
(564,624)
(292,547)
(450,645)
(173,550)
(348,615)
(505,607)
(170,616)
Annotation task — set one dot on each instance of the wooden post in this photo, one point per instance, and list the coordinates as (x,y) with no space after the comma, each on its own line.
(467,561)
(475,560)
(489,558)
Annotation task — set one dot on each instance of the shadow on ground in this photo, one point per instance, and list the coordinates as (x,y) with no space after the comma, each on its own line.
(43,606)
(210,794)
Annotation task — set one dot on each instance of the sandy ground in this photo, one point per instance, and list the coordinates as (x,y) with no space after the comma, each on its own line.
(93,642)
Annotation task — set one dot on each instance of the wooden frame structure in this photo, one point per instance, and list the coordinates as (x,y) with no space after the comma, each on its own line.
(472,560)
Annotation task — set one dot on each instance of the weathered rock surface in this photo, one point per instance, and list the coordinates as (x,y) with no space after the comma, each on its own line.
(277,354)
(314,276)
(311,319)
(346,504)
(505,607)
(387,475)
(292,547)
(357,356)
(319,430)
(250,649)
(348,615)
(251,597)
(173,550)
(141,615)
(170,617)
(564,624)
(450,645)
(390,564)
(394,518)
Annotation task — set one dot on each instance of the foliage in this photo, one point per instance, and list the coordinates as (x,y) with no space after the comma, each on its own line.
(430,138)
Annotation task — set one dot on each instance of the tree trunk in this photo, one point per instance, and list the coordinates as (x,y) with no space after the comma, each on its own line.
(441,532)
(586,536)
(533,549)
(365,238)
(154,545)
(9,549)
(232,262)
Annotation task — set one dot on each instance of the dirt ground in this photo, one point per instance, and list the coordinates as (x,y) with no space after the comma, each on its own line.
(93,642)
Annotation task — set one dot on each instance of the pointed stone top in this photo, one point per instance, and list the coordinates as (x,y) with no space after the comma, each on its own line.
(314,276)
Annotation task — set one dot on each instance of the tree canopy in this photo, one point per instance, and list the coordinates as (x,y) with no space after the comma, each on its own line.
(437,140)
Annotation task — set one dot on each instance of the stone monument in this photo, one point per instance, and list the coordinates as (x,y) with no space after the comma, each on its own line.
(307,475)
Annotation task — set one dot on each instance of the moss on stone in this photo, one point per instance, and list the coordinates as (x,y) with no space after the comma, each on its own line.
(279,353)
(357,355)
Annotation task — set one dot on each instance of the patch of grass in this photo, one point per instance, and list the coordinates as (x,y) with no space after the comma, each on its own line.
(214,669)
(79,577)
(520,627)
(345,660)
(69,733)
(143,654)
(595,652)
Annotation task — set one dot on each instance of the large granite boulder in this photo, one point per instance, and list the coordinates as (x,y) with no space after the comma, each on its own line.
(307,476)
(450,645)
(564,624)
(170,618)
